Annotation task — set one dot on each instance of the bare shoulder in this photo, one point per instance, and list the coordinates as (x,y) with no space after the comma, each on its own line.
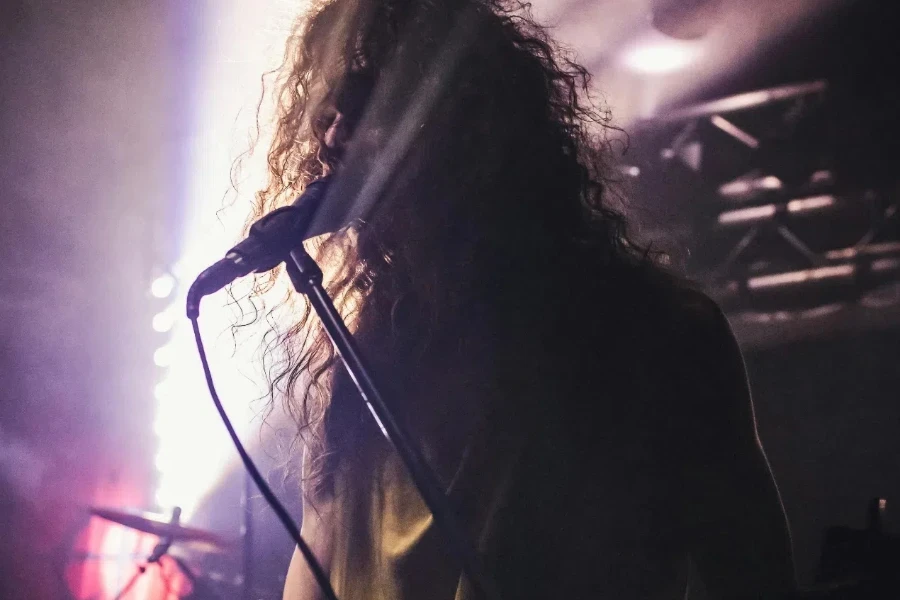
(695,322)
(705,334)
(704,364)
(682,310)
(734,524)
(693,310)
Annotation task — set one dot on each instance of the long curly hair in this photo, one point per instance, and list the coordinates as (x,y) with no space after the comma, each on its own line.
(479,158)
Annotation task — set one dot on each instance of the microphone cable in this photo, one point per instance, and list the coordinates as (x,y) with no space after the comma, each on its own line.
(283,516)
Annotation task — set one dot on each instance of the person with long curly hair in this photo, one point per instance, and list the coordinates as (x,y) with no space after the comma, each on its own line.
(587,414)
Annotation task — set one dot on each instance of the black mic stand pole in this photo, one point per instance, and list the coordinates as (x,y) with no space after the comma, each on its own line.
(306,276)
(247,536)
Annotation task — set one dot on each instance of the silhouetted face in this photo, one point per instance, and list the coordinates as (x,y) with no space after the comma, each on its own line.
(337,133)
(340,120)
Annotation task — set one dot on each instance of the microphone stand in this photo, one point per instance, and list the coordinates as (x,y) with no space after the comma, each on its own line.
(306,277)
(247,536)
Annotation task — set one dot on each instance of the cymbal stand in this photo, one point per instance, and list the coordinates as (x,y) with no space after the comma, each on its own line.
(160,550)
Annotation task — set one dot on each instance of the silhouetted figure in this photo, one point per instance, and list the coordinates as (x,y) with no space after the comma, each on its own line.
(588,414)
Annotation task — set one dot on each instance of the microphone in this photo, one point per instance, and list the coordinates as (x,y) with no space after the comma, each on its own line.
(270,240)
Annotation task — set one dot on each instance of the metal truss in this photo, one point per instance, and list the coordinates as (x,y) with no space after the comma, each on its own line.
(771,223)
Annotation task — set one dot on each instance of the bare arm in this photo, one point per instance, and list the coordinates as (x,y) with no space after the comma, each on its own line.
(737,531)
(316,530)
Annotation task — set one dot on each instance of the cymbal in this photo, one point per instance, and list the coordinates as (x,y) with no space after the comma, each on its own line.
(161,526)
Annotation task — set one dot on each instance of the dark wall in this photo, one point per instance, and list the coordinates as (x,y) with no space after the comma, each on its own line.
(829,417)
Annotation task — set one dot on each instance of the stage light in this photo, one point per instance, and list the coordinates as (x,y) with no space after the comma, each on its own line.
(162,391)
(770,182)
(747,185)
(812,203)
(163,321)
(656,54)
(747,215)
(194,450)
(162,357)
(162,286)
(796,277)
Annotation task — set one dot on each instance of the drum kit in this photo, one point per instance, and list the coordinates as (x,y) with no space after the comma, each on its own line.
(169,532)
(855,564)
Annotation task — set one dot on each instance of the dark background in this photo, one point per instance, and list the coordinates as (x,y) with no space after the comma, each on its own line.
(828,411)
(91,141)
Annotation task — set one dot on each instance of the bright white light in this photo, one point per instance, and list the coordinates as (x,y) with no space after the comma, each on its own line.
(811,203)
(770,182)
(118,546)
(744,215)
(194,449)
(738,187)
(746,185)
(162,357)
(657,54)
(163,321)
(780,279)
(162,390)
(162,286)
